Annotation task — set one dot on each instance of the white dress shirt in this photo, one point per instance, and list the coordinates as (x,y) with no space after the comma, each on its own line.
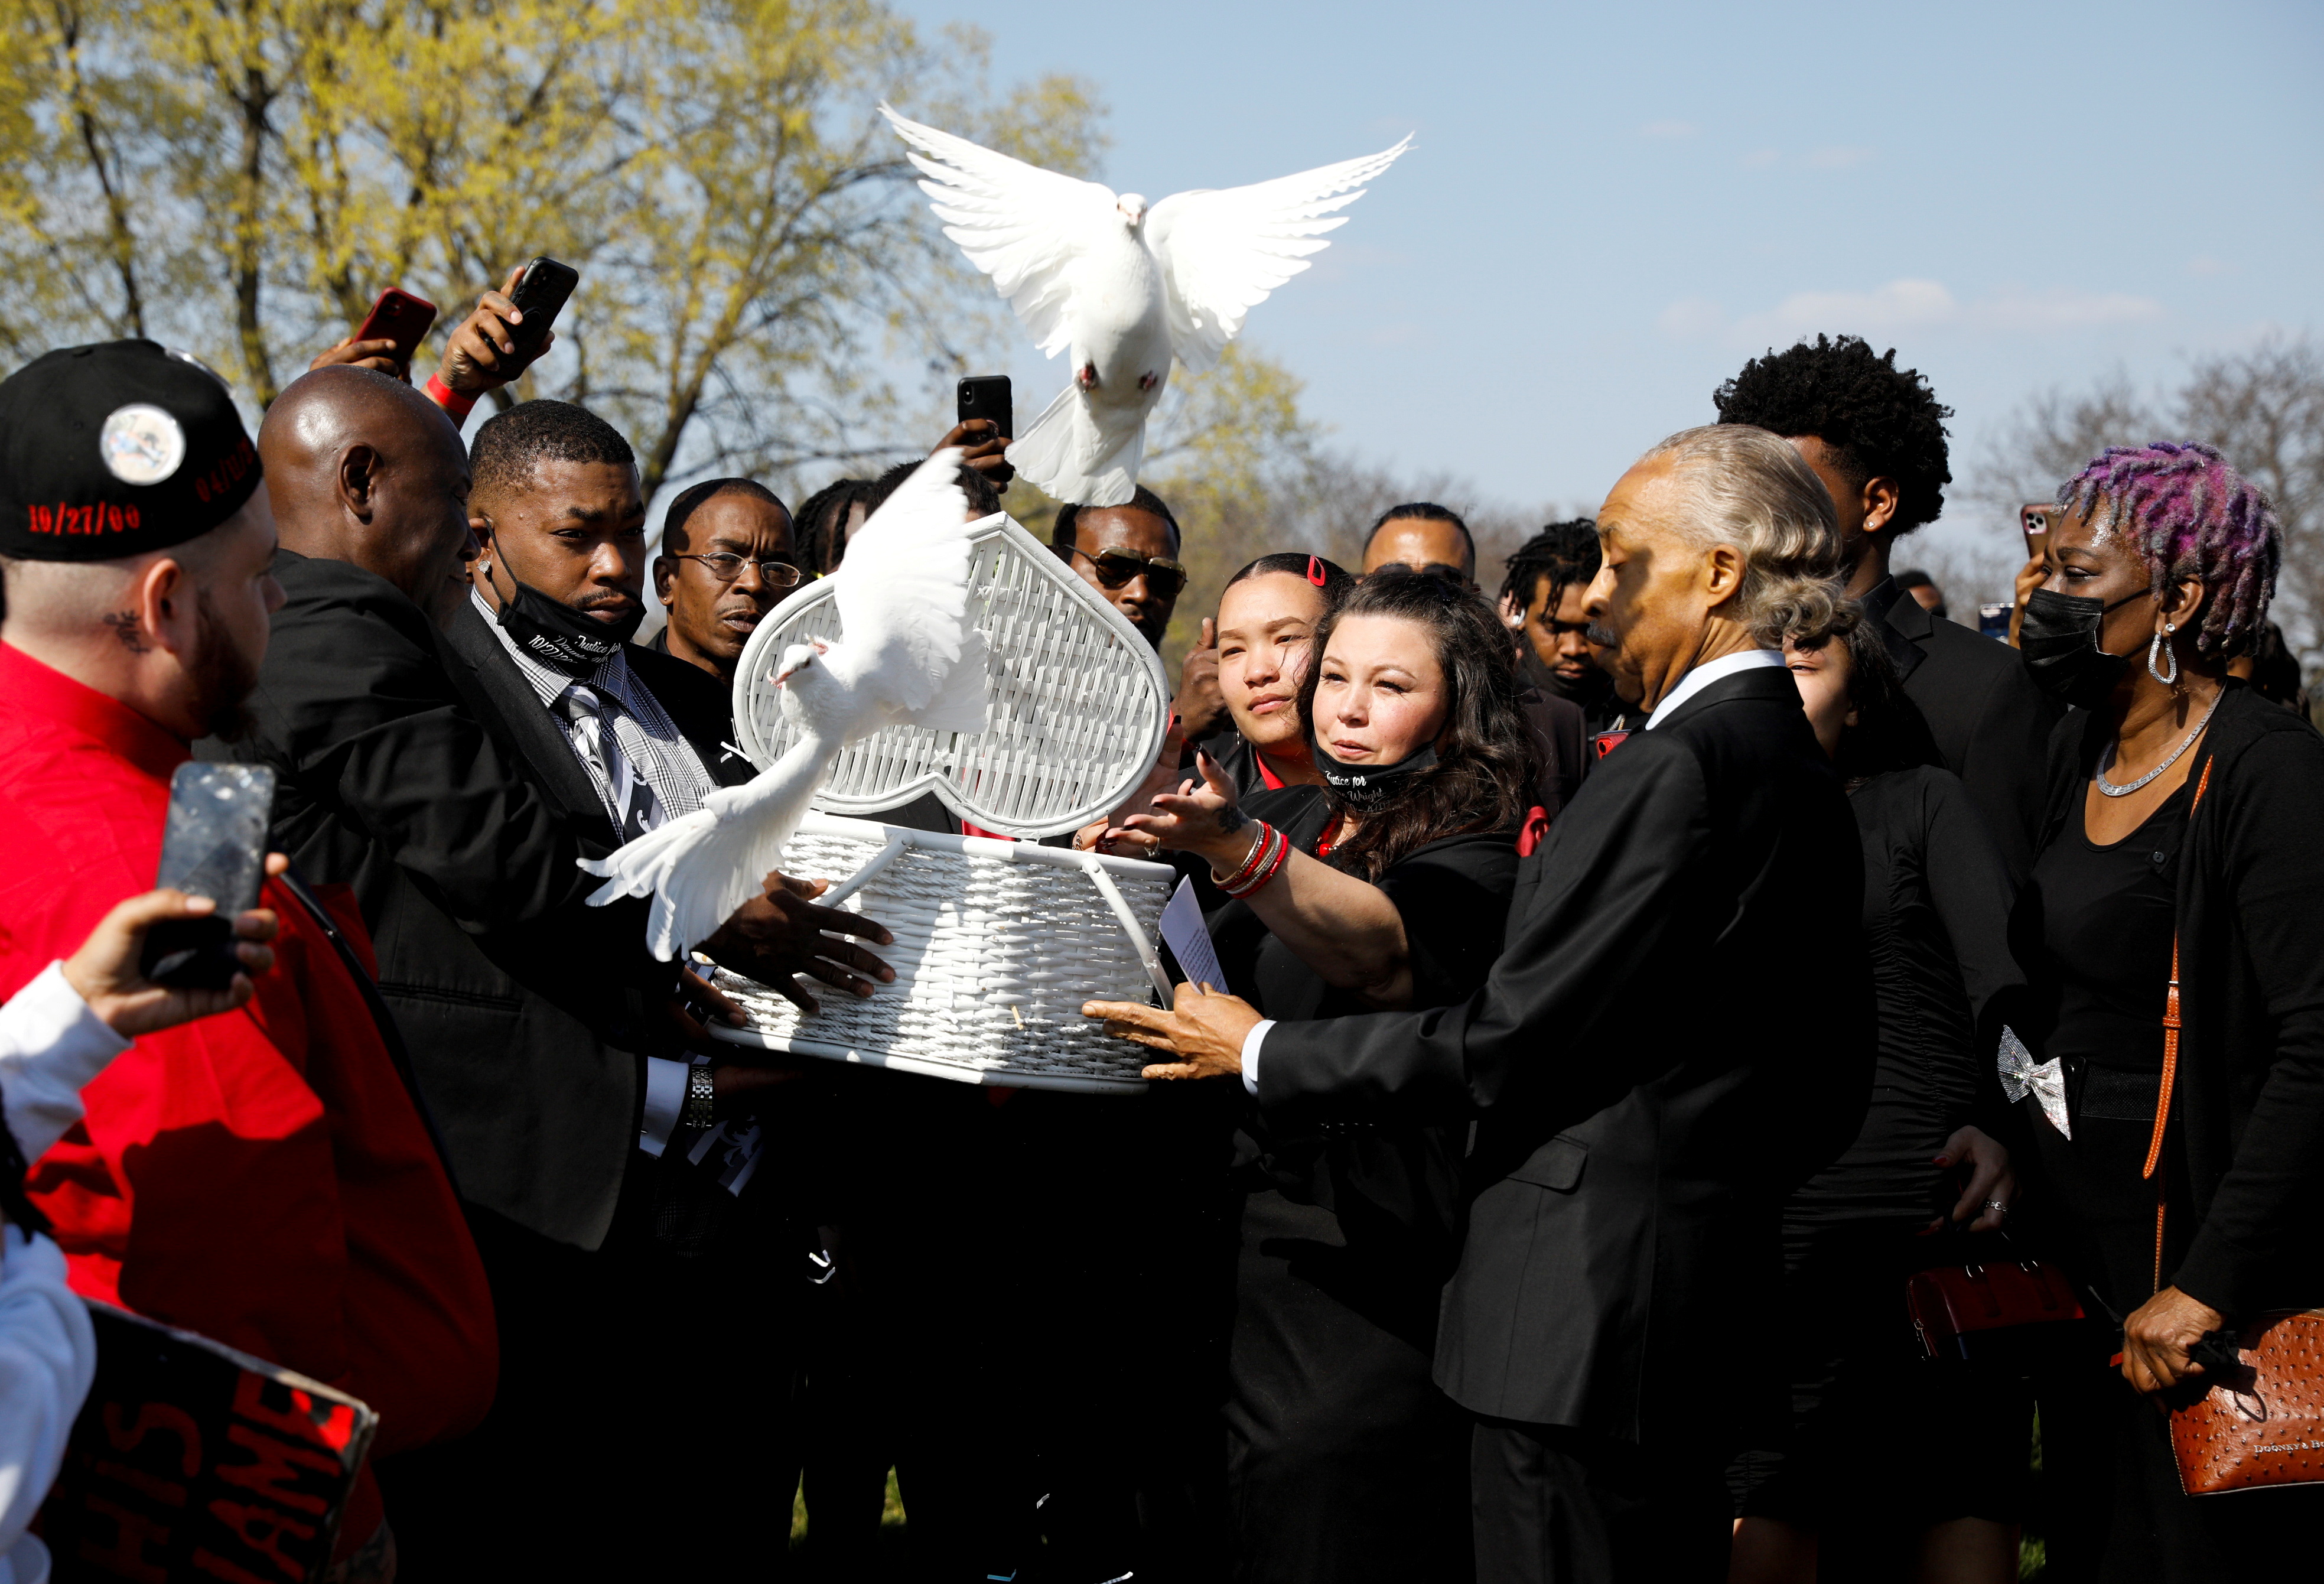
(1693,683)
(1708,672)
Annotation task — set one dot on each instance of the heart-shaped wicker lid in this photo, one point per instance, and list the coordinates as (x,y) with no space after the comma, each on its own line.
(1076,701)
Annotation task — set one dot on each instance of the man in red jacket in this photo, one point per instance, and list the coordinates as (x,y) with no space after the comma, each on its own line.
(264,1177)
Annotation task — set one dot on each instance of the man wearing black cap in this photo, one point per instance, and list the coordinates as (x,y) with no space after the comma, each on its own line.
(265,1179)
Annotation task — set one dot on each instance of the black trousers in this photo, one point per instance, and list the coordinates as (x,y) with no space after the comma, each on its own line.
(1552,1505)
(643,1425)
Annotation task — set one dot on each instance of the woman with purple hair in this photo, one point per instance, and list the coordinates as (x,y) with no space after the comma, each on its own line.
(2184,838)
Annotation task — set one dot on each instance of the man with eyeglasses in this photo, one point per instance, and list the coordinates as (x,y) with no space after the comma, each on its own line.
(727,558)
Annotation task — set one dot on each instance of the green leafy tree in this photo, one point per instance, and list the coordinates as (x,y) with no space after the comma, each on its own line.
(241,176)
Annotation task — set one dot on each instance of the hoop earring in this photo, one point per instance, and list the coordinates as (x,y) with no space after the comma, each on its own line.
(2158,649)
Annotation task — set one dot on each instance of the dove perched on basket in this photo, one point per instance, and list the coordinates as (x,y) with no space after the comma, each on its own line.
(906,655)
(1123,287)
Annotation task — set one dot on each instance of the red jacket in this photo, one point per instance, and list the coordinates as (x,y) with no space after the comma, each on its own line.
(261,1176)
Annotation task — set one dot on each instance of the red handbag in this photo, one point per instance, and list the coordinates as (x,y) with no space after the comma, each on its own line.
(1989,1310)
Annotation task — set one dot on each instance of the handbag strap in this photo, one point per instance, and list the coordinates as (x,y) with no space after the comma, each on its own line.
(2169,1067)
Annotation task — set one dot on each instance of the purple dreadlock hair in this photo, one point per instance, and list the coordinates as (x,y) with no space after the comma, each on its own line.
(2190,515)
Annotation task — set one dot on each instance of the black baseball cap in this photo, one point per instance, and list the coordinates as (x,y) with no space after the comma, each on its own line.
(115,449)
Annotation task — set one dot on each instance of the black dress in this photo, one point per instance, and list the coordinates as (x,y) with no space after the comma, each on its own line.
(1935,922)
(1343,1461)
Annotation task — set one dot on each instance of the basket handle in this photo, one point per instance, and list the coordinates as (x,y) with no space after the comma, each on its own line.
(1129,926)
(872,867)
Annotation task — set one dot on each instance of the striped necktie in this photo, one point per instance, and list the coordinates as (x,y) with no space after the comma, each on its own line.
(593,736)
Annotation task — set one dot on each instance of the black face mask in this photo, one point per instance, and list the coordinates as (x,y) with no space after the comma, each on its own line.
(1368,788)
(558,636)
(2059,638)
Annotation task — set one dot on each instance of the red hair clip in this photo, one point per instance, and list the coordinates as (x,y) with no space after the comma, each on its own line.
(1315,570)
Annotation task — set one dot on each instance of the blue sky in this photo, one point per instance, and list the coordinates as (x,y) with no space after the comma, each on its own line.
(1609,208)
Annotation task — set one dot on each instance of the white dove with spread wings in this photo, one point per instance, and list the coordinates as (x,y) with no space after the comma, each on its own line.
(907,654)
(1122,287)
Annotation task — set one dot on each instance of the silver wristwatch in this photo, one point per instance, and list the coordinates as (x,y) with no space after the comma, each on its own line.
(699,1096)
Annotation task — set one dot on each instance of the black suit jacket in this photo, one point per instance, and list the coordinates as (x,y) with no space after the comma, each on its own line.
(1679,1029)
(422,771)
(1990,723)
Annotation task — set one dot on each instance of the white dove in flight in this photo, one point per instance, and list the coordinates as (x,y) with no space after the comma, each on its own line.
(1125,287)
(906,653)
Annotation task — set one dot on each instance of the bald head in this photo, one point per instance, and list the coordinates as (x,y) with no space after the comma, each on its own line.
(364,469)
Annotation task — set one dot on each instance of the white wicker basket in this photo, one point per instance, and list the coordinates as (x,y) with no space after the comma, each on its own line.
(1077,702)
(997,944)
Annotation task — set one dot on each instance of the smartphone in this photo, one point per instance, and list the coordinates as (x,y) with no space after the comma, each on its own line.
(401,318)
(987,396)
(1992,622)
(540,295)
(214,846)
(2034,521)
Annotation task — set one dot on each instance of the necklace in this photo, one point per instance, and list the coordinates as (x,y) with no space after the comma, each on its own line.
(2111,790)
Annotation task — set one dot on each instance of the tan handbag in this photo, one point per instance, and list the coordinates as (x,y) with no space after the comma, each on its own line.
(2262,1420)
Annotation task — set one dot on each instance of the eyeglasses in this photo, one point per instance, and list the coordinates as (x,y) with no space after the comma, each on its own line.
(1116,569)
(726,566)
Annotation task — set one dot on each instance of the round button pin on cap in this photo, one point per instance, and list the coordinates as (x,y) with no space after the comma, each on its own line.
(141,444)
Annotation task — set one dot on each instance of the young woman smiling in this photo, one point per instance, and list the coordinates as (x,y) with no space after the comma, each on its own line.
(1385,885)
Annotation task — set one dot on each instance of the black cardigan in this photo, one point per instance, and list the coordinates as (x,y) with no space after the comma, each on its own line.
(2248,1101)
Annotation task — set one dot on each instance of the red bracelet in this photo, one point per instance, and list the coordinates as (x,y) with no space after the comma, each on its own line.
(456,405)
(1250,859)
(1277,848)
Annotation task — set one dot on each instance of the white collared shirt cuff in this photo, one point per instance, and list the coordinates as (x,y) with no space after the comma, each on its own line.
(665,1098)
(51,1045)
(1250,1053)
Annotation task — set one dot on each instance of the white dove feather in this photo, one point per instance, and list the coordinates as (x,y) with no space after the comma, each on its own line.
(906,653)
(1126,290)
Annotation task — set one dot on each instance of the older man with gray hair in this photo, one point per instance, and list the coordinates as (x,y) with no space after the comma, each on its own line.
(1678,1031)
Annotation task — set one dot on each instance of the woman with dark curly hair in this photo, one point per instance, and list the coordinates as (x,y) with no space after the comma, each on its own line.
(1940,1498)
(2178,872)
(1386,886)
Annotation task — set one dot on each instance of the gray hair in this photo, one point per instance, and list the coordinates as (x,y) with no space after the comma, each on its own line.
(1749,490)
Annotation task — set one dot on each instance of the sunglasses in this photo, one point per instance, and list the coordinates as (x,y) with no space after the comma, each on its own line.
(726,566)
(1115,568)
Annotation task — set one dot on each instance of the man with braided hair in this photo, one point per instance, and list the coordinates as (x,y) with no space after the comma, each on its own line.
(1876,435)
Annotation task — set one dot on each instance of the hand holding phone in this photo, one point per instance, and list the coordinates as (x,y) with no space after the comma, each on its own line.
(2034,521)
(509,331)
(108,973)
(984,400)
(215,847)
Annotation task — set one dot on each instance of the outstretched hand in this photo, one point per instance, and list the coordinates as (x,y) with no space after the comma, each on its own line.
(1204,1029)
(107,972)
(780,934)
(1200,817)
